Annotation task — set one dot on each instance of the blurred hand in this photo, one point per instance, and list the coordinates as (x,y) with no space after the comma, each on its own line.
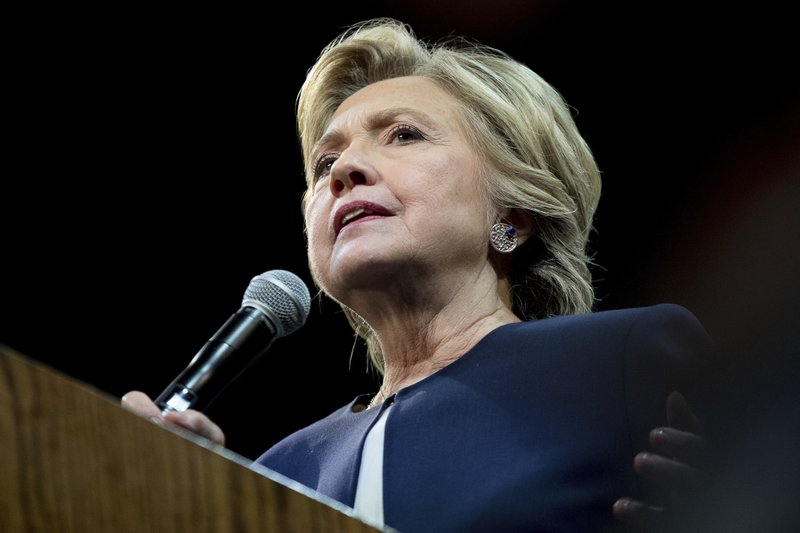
(194,421)
(675,463)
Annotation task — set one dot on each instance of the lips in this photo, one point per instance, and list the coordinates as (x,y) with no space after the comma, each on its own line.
(357,210)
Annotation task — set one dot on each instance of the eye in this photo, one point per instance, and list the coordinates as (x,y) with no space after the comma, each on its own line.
(322,167)
(405,133)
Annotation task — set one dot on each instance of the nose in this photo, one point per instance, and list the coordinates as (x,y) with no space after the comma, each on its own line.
(349,170)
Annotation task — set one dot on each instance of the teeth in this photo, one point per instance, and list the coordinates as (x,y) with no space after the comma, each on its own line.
(351,215)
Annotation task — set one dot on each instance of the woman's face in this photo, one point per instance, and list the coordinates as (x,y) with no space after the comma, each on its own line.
(398,193)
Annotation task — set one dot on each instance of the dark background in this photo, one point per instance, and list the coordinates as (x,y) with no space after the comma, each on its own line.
(152,169)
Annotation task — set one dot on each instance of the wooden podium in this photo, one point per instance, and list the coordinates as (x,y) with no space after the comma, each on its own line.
(73,460)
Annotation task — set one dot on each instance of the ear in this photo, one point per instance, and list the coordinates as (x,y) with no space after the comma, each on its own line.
(523,222)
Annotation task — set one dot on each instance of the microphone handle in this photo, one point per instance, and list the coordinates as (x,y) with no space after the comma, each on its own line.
(241,340)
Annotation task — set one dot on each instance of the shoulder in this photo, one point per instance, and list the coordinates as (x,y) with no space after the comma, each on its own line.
(664,320)
(656,314)
(654,339)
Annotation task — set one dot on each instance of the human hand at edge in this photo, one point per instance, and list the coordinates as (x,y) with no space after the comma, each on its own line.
(675,463)
(139,403)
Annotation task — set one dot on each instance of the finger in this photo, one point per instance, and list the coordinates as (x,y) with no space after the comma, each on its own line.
(669,473)
(680,415)
(684,446)
(197,423)
(639,515)
(141,404)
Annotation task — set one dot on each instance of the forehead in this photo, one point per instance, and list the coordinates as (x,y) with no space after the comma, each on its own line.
(409,92)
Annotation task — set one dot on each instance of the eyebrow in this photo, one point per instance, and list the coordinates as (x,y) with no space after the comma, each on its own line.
(374,121)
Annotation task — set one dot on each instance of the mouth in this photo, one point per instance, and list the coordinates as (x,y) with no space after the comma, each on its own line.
(354,211)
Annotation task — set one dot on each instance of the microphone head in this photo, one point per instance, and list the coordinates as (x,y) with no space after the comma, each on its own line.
(281,295)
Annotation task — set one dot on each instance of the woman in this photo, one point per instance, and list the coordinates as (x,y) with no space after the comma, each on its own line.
(450,200)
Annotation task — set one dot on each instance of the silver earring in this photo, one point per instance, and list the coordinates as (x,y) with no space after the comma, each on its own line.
(503,237)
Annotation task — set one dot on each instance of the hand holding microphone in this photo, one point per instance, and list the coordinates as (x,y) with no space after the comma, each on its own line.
(276,303)
(198,423)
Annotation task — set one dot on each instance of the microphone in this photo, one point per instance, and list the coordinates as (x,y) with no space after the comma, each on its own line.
(276,303)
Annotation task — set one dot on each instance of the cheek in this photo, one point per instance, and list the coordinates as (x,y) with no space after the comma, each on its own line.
(457,187)
(317,236)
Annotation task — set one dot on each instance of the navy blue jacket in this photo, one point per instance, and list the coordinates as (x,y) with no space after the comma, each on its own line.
(533,429)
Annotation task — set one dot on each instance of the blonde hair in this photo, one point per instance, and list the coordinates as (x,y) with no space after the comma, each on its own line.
(536,160)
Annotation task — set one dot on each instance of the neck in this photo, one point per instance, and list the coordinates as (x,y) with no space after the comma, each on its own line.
(423,329)
(416,361)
